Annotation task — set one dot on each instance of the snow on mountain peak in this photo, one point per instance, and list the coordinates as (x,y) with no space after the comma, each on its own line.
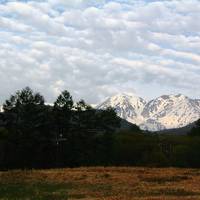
(128,106)
(166,111)
(1,108)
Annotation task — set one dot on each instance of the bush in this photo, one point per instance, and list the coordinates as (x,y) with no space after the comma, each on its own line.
(154,159)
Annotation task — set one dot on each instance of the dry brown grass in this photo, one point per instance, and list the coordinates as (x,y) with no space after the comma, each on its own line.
(113,183)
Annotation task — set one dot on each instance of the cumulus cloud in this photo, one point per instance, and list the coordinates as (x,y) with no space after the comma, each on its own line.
(98,48)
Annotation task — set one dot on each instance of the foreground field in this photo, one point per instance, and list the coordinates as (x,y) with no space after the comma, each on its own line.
(101,183)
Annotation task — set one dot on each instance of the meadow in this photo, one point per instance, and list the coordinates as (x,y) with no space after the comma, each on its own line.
(101,183)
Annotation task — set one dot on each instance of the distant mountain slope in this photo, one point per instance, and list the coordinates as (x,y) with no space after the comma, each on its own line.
(172,111)
(178,131)
(127,106)
(165,112)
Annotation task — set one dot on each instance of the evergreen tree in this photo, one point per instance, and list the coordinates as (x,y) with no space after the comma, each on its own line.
(27,121)
(195,131)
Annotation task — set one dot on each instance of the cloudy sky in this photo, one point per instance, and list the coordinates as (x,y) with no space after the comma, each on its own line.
(97,48)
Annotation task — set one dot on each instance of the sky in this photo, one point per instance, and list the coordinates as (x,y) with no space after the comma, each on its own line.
(98,48)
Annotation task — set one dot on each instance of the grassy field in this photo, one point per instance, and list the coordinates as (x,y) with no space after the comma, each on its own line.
(101,183)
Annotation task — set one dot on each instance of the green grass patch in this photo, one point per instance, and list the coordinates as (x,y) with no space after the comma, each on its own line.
(35,191)
(164,179)
(168,192)
(174,192)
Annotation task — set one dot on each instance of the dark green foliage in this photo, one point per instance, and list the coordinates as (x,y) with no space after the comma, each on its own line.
(135,128)
(180,155)
(194,152)
(195,131)
(156,150)
(155,159)
(36,135)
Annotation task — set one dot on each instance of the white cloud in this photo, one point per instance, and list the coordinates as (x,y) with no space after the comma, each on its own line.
(97,48)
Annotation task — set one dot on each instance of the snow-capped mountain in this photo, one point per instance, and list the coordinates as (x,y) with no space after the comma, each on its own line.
(165,112)
(127,106)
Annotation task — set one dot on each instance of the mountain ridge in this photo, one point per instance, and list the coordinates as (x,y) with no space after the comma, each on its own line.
(164,112)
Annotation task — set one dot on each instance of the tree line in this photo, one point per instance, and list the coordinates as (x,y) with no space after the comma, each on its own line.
(34,134)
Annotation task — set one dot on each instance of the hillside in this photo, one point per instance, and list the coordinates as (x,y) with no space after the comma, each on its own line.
(178,131)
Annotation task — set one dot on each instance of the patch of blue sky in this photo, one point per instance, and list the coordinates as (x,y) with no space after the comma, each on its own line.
(7,1)
(59,8)
(14,45)
(9,15)
(131,1)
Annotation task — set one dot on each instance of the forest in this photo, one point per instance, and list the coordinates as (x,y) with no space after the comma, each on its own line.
(34,134)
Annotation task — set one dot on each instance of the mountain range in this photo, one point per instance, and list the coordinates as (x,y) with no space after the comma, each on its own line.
(164,112)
